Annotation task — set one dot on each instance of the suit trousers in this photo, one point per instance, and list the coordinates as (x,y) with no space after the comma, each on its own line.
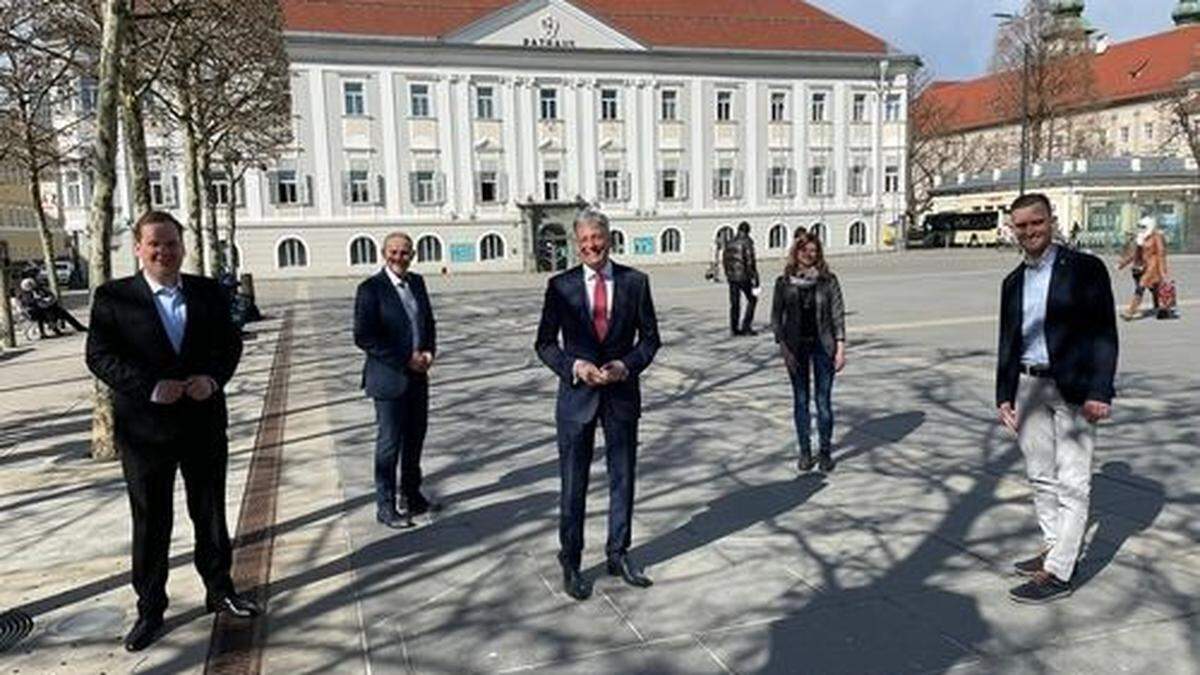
(150,479)
(401,424)
(1057,442)
(576,445)
(738,323)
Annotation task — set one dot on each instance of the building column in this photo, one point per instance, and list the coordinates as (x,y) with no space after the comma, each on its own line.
(393,177)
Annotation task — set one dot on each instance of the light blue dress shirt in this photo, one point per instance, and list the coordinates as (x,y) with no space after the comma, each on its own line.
(409,300)
(1033,308)
(172,310)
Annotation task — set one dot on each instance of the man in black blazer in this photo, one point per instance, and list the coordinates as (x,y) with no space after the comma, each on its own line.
(394,326)
(1054,382)
(165,344)
(609,334)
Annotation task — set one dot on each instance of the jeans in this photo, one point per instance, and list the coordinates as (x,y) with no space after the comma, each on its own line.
(737,322)
(812,359)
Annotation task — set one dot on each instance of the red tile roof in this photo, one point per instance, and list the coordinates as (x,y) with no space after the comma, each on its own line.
(1125,72)
(786,25)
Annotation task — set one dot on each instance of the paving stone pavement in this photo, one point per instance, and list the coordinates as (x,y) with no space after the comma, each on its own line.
(894,563)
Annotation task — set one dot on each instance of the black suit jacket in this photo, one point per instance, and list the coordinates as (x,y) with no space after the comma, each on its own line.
(383,331)
(128,349)
(1081,330)
(632,338)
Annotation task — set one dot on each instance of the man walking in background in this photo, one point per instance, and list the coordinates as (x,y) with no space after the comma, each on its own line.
(741,271)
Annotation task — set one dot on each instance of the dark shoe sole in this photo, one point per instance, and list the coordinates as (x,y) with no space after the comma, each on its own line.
(1040,601)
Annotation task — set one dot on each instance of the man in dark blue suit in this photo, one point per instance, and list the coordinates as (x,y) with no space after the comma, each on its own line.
(609,334)
(1054,383)
(393,324)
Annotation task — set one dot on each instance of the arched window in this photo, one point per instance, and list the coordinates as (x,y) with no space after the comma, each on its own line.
(671,241)
(429,249)
(363,251)
(491,247)
(858,234)
(777,237)
(818,230)
(291,252)
(724,234)
(618,242)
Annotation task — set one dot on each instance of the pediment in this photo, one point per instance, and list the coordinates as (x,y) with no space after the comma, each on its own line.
(544,24)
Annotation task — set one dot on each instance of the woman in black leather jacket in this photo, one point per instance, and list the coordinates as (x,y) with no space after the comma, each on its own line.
(809,320)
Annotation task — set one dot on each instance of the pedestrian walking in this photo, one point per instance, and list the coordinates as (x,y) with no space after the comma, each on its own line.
(741,272)
(1153,247)
(1056,363)
(809,320)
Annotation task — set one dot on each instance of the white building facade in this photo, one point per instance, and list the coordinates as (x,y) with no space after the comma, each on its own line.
(482,141)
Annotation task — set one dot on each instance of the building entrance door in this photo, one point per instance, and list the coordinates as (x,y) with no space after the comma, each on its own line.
(553,250)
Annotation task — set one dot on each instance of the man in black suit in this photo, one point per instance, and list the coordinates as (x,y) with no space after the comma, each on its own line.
(394,326)
(1054,382)
(609,335)
(163,341)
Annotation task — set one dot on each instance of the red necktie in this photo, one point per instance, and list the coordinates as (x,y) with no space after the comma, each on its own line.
(600,307)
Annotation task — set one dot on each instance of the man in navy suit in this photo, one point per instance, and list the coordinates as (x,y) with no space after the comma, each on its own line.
(165,344)
(394,326)
(605,318)
(1054,383)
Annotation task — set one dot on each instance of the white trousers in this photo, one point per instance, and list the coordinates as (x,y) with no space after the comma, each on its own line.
(1057,442)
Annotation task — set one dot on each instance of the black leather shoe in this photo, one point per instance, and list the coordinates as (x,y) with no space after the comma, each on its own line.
(825,461)
(234,605)
(573,583)
(394,520)
(749,331)
(805,463)
(144,632)
(625,568)
(418,505)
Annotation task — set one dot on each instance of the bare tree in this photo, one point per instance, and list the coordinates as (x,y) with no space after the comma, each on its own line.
(1048,66)
(1182,111)
(38,96)
(934,149)
(100,218)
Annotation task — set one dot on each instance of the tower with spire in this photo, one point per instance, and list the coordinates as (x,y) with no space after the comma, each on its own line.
(1187,13)
(1067,30)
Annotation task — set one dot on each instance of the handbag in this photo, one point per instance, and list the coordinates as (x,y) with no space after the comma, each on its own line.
(1165,293)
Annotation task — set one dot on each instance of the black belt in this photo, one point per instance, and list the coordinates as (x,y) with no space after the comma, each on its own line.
(1036,371)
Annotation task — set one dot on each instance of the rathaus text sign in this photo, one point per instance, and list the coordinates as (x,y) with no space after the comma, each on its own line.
(549,37)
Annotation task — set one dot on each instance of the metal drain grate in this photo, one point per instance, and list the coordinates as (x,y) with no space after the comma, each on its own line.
(15,625)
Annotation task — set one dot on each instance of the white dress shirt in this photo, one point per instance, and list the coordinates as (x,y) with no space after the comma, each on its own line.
(409,300)
(589,282)
(1033,308)
(172,312)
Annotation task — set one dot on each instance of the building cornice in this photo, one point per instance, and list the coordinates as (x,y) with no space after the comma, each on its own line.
(364,50)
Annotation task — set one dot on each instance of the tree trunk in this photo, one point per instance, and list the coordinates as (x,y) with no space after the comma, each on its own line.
(212,254)
(101,216)
(193,238)
(8,338)
(135,148)
(231,221)
(35,192)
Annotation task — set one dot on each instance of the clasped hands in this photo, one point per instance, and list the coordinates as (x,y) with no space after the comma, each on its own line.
(598,376)
(420,362)
(196,387)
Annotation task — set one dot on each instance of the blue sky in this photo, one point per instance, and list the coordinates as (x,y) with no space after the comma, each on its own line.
(954,37)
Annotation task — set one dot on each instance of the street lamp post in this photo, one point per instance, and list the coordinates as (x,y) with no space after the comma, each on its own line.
(1009,18)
